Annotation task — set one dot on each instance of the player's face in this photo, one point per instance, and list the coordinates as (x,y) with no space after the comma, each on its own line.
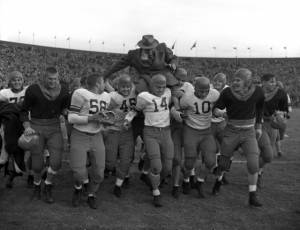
(201,92)
(100,85)
(158,89)
(218,84)
(270,85)
(124,89)
(17,83)
(238,84)
(146,54)
(52,80)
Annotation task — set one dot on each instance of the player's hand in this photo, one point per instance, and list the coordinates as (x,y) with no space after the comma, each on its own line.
(29,131)
(177,115)
(258,132)
(94,118)
(172,67)
(126,124)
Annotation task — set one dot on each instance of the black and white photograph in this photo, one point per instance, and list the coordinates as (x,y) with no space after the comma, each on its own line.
(149,115)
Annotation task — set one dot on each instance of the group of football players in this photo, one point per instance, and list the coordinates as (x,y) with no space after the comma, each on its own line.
(181,125)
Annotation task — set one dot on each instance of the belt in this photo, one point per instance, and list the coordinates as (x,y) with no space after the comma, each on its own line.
(86,133)
(158,128)
(240,126)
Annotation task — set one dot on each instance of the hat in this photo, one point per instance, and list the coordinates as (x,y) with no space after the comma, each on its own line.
(148,42)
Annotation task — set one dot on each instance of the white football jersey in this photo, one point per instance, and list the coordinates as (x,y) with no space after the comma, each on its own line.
(199,111)
(187,88)
(155,109)
(124,105)
(219,119)
(9,96)
(87,103)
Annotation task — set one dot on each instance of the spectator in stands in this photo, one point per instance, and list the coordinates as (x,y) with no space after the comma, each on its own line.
(151,58)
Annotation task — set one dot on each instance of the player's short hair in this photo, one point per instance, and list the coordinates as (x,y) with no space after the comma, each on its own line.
(92,79)
(51,70)
(12,75)
(267,77)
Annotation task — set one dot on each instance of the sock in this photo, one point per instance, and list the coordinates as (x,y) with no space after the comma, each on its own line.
(200,179)
(119,182)
(252,188)
(50,175)
(145,172)
(77,186)
(156,192)
(187,180)
(37,183)
(193,172)
(260,171)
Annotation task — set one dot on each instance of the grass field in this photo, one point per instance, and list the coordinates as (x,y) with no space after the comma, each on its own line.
(229,210)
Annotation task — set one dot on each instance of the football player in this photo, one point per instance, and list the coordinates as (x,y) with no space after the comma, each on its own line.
(42,106)
(275,102)
(119,139)
(218,123)
(157,134)
(14,94)
(244,107)
(197,134)
(178,91)
(86,108)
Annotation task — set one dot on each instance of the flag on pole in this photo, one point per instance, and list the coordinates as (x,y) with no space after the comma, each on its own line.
(173,46)
(235,48)
(90,41)
(194,45)
(214,47)
(103,43)
(68,38)
(123,44)
(54,36)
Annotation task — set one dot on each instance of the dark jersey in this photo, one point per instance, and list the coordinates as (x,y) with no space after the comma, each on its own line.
(42,108)
(242,109)
(278,102)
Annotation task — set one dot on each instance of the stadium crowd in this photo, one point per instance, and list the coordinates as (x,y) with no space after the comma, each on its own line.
(190,126)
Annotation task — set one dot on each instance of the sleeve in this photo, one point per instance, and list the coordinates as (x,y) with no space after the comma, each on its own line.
(170,58)
(3,97)
(29,100)
(141,102)
(77,101)
(121,64)
(260,107)
(283,102)
(220,103)
(183,102)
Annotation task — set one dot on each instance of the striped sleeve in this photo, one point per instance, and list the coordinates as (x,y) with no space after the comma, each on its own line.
(77,102)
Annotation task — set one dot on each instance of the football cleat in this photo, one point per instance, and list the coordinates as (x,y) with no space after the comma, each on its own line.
(126,183)
(186,188)
(48,192)
(217,187)
(157,201)
(144,177)
(92,202)
(117,191)
(30,181)
(36,192)
(76,198)
(175,192)
(200,189)
(224,180)
(253,201)
(192,182)
(260,181)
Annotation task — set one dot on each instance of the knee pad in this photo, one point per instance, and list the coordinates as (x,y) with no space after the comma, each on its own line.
(252,168)
(224,162)
(189,163)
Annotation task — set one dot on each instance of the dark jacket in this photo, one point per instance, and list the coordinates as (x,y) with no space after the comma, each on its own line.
(162,56)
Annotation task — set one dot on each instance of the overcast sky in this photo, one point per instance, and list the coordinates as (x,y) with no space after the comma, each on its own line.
(264,26)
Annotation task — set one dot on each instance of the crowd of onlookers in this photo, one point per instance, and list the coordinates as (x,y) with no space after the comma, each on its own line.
(29,59)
